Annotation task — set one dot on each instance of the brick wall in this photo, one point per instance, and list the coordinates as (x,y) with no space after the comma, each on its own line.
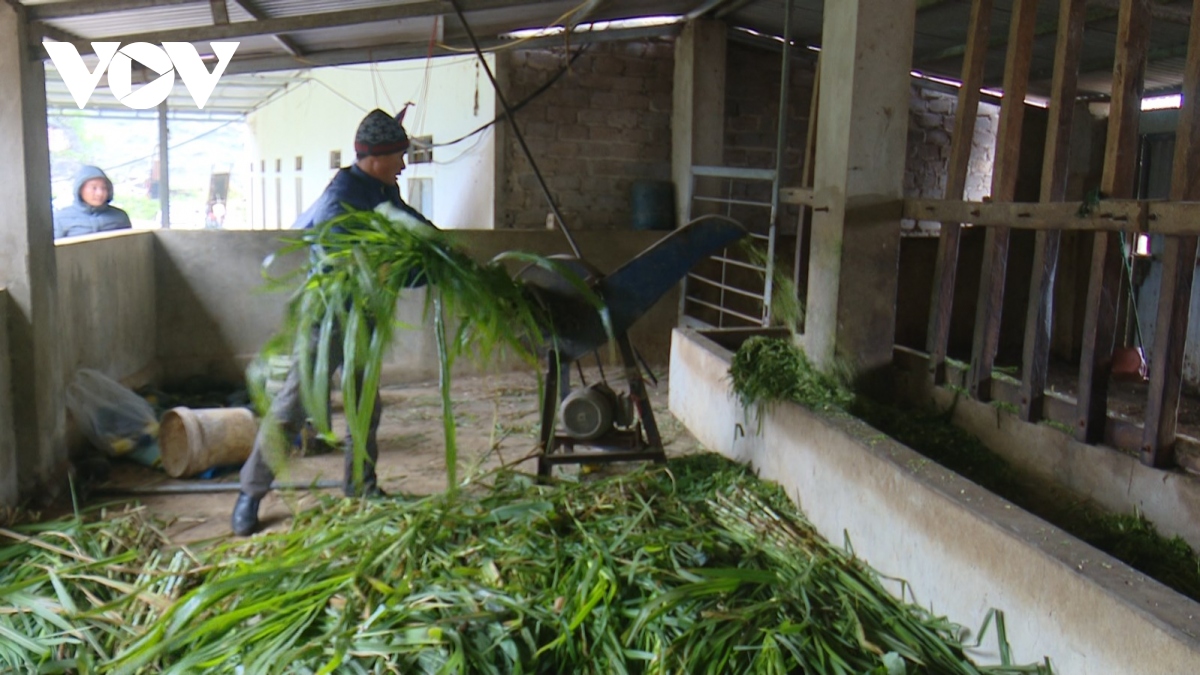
(600,127)
(606,123)
(752,119)
(931,122)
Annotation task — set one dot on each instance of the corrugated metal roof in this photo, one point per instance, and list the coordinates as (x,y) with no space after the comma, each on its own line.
(940,33)
(942,26)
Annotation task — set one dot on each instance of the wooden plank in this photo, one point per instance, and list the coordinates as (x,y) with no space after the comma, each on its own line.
(796,195)
(1179,267)
(1004,182)
(1174,218)
(1120,165)
(945,269)
(1038,314)
(1060,409)
(1110,215)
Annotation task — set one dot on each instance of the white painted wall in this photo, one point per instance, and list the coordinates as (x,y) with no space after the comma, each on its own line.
(320,113)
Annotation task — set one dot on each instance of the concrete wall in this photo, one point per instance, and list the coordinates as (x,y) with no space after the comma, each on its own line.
(8,443)
(214,316)
(604,124)
(1115,480)
(962,550)
(106,296)
(320,114)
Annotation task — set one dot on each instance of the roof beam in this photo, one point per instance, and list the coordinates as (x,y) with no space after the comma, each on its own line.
(284,41)
(220,13)
(73,8)
(59,34)
(342,57)
(292,24)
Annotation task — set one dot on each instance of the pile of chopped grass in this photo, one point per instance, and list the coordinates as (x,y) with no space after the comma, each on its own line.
(769,370)
(696,567)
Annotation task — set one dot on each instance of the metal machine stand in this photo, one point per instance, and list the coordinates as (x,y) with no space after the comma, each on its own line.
(642,442)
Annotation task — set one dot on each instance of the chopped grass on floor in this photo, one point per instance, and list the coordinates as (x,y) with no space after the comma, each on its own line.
(695,567)
(769,370)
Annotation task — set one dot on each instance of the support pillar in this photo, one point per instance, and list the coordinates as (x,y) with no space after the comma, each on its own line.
(698,110)
(9,495)
(164,168)
(27,264)
(863,117)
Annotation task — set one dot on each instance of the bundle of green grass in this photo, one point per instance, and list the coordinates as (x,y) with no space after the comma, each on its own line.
(359,266)
(694,567)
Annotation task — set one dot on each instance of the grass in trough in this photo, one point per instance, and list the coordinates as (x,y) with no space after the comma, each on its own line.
(695,567)
(772,370)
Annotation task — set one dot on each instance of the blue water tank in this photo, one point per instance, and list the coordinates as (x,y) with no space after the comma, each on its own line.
(652,203)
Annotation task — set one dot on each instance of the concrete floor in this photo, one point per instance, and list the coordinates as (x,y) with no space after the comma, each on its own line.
(497,424)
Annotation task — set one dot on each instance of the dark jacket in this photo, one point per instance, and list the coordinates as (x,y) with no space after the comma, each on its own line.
(83,218)
(353,187)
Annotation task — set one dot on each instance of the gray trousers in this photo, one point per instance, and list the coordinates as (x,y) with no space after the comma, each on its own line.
(287,410)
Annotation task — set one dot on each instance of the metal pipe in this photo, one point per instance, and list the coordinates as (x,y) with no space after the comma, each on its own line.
(164,180)
(198,488)
(734,289)
(780,142)
(201,488)
(723,311)
(562,224)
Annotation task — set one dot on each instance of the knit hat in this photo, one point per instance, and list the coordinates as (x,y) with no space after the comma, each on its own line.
(380,134)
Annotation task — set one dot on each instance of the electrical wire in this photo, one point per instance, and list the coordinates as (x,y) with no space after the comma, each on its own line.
(173,146)
(474,146)
(523,102)
(519,41)
(562,224)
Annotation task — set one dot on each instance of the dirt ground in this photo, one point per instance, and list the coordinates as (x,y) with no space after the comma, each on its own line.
(497,424)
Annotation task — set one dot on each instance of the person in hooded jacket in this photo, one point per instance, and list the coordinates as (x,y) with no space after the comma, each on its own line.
(379,145)
(92,211)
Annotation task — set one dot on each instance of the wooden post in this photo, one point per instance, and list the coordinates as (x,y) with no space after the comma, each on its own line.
(1004,183)
(1117,182)
(37,465)
(946,267)
(1179,266)
(1038,316)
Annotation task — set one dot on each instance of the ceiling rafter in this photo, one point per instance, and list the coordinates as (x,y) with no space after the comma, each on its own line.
(289,45)
(74,8)
(243,29)
(343,57)
(220,12)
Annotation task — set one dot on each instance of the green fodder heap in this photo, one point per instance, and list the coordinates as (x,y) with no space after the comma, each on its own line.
(695,567)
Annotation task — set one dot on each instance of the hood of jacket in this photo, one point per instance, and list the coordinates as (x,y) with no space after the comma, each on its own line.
(85,174)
